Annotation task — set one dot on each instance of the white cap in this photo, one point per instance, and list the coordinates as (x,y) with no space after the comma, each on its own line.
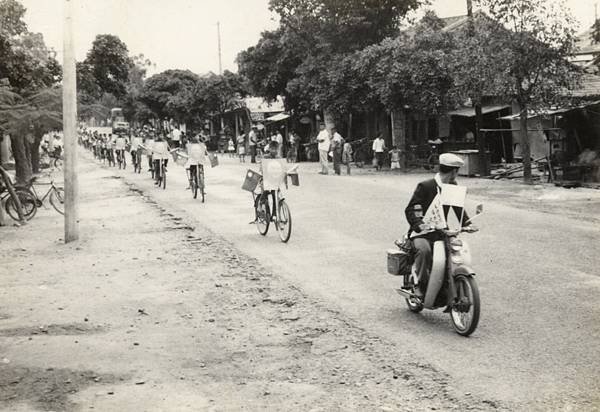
(451,160)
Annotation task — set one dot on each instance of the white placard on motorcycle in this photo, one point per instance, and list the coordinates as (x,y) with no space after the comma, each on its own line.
(434,216)
(454,195)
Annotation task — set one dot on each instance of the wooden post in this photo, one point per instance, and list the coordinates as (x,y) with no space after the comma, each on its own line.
(69,128)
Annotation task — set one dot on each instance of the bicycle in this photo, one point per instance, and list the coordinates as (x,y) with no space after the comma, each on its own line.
(159,171)
(136,159)
(197,181)
(27,200)
(55,195)
(278,213)
(121,158)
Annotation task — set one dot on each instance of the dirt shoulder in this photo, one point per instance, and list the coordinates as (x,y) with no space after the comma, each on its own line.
(151,312)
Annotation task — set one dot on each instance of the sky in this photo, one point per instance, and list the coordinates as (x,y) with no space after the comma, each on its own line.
(182,34)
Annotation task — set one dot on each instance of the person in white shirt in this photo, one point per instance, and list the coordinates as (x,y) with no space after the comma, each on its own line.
(160,153)
(176,137)
(252,142)
(324,142)
(378,149)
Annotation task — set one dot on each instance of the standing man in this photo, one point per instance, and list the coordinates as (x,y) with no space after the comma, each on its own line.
(293,149)
(337,147)
(324,142)
(378,150)
(252,140)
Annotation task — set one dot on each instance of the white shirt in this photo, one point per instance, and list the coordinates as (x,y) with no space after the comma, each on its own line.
(324,140)
(176,135)
(160,150)
(378,145)
(279,138)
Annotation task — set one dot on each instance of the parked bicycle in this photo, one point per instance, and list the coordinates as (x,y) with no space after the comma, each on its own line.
(54,194)
(27,200)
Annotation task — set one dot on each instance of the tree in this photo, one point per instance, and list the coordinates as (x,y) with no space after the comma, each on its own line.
(309,58)
(29,71)
(172,94)
(536,38)
(221,93)
(133,108)
(595,34)
(109,62)
(27,119)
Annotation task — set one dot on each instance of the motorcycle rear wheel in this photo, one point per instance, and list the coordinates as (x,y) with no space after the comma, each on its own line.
(465,322)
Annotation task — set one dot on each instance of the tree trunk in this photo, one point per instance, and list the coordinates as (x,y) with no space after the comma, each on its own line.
(525,149)
(22,160)
(329,119)
(35,154)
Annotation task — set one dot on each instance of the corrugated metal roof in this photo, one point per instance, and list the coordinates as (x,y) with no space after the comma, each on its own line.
(470,111)
(589,87)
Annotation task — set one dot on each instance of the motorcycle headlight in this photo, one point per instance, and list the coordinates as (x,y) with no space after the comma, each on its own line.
(458,259)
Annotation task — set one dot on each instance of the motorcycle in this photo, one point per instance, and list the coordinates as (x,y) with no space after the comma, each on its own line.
(451,282)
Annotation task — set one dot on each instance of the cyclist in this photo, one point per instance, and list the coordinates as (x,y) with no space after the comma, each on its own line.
(149,145)
(160,153)
(273,153)
(136,150)
(120,143)
(197,157)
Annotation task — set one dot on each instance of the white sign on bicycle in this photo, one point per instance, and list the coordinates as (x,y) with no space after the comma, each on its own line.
(273,171)
(197,153)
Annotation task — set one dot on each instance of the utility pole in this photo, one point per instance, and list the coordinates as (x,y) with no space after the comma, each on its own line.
(219,46)
(69,127)
(476,101)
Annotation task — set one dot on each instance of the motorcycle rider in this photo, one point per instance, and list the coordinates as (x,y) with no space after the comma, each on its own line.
(422,234)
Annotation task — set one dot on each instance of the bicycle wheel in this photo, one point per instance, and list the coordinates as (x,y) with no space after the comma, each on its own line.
(57,200)
(28,203)
(194,184)
(262,214)
(201,185)
(283,223)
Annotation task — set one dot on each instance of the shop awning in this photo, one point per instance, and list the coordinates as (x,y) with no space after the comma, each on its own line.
(277,118)
(470,111)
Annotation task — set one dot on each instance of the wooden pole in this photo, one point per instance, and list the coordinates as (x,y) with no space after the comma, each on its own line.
(69,128)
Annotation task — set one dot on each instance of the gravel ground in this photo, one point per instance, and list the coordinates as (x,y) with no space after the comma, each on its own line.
(152,311)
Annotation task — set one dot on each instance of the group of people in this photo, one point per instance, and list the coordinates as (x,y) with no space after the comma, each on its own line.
(260,144)
(332,144)
(157,146)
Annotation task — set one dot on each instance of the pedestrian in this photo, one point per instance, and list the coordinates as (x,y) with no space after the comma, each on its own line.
(231,147)
(378,150)
(241,147)
(347,156)
(395,158)
(292,155)
(324,142)
(337,146)
(252,141)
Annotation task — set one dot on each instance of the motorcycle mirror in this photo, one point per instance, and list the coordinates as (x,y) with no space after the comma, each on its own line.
(479,209)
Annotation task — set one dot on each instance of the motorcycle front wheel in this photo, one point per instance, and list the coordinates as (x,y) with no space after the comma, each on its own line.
(466,309)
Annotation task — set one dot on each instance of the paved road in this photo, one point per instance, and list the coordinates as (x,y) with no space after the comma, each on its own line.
(537,343)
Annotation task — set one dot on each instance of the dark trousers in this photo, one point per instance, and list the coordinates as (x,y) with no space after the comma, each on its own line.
(423,259)
(337,161)
(252,154)
(379,157)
